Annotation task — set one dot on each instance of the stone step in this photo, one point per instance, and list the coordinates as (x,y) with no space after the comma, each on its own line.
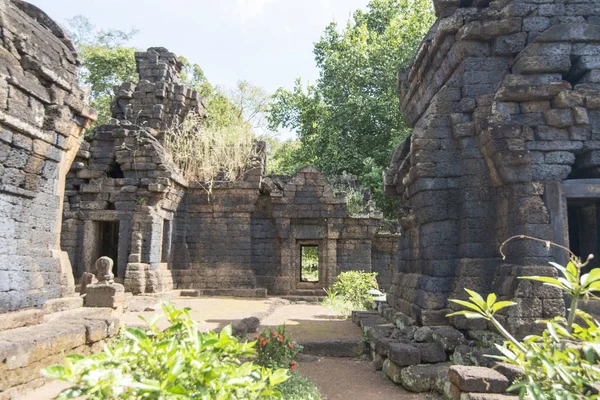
(63,304)
(334,347)
(261,293)
(304,299)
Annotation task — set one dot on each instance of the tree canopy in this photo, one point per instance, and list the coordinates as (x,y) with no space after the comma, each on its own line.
(350,119)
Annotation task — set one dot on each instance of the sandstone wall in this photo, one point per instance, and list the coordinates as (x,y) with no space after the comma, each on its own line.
(502,98)
(42,114)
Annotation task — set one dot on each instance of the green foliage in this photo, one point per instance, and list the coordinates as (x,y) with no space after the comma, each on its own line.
(350,119)
(178,363)
(354,286)
(283,156)
(275,349)
(299,387)
(564,362)
(105,62)
(337,303)
(310,263)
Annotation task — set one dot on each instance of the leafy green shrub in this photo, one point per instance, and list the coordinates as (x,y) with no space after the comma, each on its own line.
(564,362)
(337,303)
(178,363)
(354,287)
(299,387)
(276,349)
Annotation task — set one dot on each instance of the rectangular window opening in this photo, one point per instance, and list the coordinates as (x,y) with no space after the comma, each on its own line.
(309,263)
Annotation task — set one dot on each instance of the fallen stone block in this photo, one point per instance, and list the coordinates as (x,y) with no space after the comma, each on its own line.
(431,353)
(423,377)
(379,332)
(467,355)
(382,346)
(477,379)
(423,334)
(510,371)
(402,320)
(448,337)
(392,371)
(403,354)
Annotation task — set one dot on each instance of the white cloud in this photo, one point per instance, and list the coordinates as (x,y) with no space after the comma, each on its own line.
(248,10)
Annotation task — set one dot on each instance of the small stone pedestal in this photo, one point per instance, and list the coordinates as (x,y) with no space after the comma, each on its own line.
(105,293)
(110,295)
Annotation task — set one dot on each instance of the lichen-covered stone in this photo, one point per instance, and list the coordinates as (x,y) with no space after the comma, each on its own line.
(448,337)
(423,377)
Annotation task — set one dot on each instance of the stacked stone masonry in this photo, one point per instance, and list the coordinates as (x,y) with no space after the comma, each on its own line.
(166,233)
(42,114)
(436,358)
(504,101)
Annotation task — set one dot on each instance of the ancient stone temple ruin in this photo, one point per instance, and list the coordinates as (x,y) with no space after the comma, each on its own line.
(504,101)
(42,115)
(126,199)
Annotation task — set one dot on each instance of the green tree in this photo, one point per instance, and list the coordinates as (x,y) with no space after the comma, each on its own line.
(350,120)
(105,62)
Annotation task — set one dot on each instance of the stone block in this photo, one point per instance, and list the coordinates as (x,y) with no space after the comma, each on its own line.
(105,295)
(423,377)
(448,337)
(19,319)
(392,371)
(477,379)
(423,334)
(431,353)
(403,354)
(510,371)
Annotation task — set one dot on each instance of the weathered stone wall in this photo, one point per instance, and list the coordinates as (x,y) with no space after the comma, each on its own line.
(42,115)
(384,257)
(502,98)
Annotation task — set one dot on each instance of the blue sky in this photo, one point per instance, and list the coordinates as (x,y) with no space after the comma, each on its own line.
(267,42)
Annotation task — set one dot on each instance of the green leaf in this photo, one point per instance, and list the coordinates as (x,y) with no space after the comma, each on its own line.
(502,304)
(278,376)
(572,272)
(54,372)
(135,334)
(476,298)
(491,299)
(464,303)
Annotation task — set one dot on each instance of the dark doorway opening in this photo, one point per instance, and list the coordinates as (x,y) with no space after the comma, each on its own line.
(583,222)
(309,263)
(108,241)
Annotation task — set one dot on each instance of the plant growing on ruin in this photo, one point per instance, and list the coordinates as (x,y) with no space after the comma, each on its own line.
(206,154)
(562,363)
(275,349)
(178,363)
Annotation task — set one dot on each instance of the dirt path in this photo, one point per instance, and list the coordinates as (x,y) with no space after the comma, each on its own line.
(306,322)
(349,379)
